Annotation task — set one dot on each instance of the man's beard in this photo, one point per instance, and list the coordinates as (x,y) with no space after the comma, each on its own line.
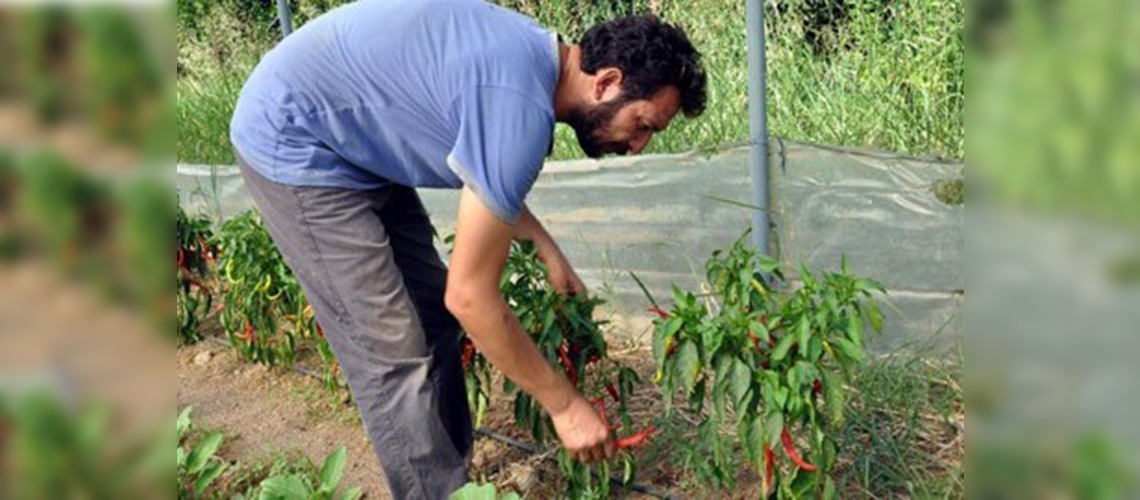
(588,126)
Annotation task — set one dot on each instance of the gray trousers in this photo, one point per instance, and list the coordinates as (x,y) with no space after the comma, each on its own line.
(367,264)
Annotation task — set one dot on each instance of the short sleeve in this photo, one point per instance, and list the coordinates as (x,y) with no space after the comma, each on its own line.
(503,139)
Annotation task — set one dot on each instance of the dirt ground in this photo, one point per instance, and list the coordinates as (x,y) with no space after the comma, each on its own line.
(265,411)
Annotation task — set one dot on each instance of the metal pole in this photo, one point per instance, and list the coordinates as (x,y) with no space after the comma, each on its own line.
(758,122)
(285,16)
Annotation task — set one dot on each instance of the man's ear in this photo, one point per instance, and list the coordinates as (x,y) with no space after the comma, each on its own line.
(607,84)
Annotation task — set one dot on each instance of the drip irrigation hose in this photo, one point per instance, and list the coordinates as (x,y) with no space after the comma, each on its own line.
(502,438)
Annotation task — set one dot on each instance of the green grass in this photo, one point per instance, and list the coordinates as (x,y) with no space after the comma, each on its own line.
(891,82)
(213,63)
(905,431)
(950,191)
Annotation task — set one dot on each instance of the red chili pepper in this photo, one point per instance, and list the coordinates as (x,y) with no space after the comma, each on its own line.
(613,391)
(248,335)
(181,259)
(634,440)
(660,312)
(320,331)
(755,340)
(817,387)
(468,353)
(769,460)
(600,405)
(790,449)
(571,372)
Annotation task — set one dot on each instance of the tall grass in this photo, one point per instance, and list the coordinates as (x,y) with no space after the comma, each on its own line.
(885,74)
(905,429)
(214,59)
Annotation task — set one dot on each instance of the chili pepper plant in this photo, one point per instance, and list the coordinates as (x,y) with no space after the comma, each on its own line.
(566,333)
(265,313)
(768,363)
(195,255)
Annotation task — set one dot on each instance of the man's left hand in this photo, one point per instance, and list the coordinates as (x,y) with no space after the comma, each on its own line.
(562,276)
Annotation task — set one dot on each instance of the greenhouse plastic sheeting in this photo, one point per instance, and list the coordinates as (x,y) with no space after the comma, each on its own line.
(661,217)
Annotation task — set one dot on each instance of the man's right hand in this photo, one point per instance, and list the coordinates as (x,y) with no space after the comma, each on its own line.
(582,431)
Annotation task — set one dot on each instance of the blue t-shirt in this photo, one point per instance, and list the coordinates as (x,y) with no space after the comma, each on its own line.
(423,93)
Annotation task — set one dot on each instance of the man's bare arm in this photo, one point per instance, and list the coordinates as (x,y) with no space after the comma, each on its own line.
(482,242)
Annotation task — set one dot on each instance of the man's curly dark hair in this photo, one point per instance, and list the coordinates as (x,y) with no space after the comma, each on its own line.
(651,54)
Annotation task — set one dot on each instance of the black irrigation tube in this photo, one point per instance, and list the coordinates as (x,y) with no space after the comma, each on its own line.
(507,440)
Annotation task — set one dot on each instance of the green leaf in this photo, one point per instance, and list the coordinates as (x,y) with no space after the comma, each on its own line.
(291,487)
(815,348)
(332,470)
(781,350)
(829,489)
(741,383)
(661,335)
(201,453)
(208,476)
(627,475)
(804,332)
(547,324)
(848,350)
(520,410)
(808,374)
(854,327)
(472,491)
(697,398)
(760,330)
(780,395)
(755,440)
(867,285)
(724,365)
(627,379)
(774,425)
(804,483)
(180,458)
(768,265)
(834,397)
(711,337)
(875,316)
(183,422)
(688,366)
(353,493)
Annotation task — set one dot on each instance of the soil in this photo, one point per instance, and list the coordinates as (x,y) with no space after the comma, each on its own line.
(266,411)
